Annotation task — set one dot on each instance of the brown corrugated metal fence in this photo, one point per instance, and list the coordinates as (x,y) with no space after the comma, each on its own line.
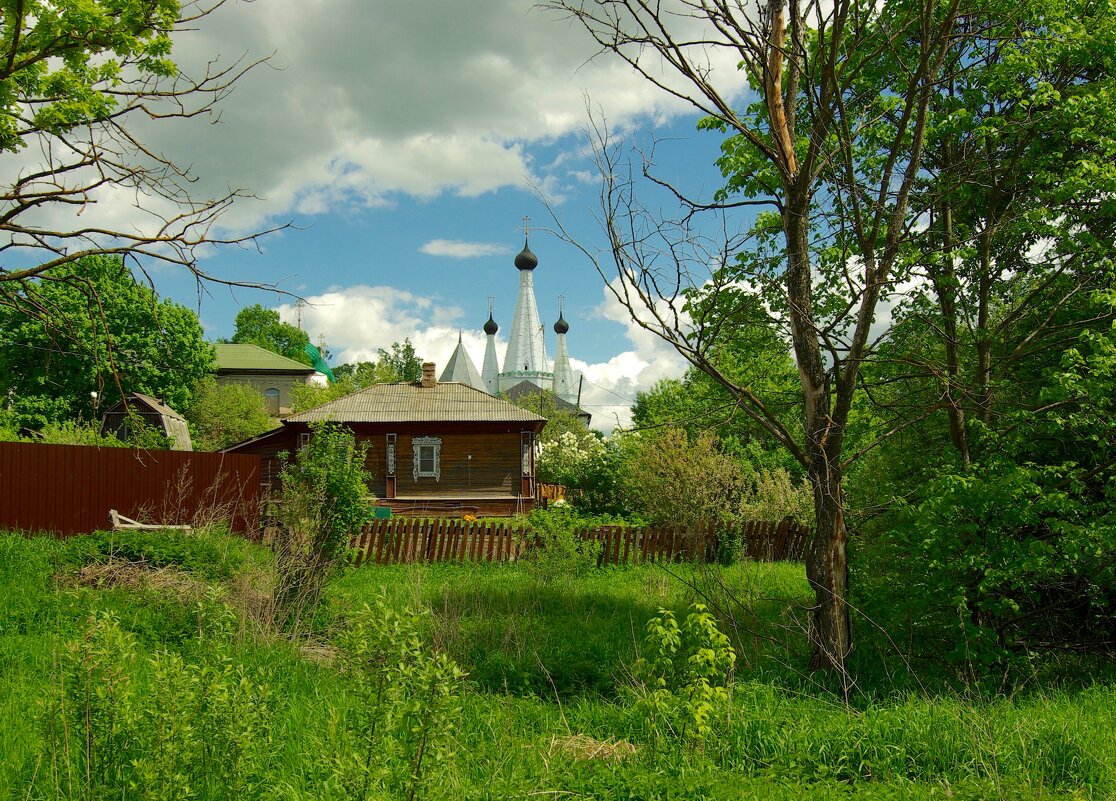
(69,489)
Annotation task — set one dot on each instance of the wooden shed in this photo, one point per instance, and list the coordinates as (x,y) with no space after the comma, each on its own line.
(154,413)
(433,447)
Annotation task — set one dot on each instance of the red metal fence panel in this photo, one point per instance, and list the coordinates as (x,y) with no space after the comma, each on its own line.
(69,489)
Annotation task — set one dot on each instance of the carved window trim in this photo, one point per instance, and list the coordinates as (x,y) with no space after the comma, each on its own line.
(390,455)
(417,444)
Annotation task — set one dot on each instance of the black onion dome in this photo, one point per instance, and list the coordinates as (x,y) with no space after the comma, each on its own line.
(561,326)
(526,260)
(490,327)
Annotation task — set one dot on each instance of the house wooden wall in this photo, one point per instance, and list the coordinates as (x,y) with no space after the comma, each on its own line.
(495,471)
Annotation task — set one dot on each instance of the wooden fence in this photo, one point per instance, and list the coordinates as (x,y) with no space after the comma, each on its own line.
(69,489)
(408,540)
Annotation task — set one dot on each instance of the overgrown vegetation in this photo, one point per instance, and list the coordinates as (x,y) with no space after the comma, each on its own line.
(322,503)
(616,683)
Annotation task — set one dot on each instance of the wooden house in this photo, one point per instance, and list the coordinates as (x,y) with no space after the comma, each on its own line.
(433,447)
(153,412)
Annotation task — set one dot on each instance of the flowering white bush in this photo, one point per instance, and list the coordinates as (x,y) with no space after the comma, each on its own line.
(566,459)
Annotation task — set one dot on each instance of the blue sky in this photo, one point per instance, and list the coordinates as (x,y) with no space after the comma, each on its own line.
(398,137)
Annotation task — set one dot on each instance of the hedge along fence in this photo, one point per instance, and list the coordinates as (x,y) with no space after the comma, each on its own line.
(409,540)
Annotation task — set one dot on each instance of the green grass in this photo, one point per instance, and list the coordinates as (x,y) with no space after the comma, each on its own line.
(549,659)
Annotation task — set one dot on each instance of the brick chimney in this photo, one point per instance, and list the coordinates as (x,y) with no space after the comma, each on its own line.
(428,379)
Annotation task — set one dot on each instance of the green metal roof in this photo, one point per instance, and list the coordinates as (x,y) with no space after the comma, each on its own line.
(253,358)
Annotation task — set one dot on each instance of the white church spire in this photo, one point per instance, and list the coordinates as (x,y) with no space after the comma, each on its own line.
(490,369)
(526,351)
(563,373)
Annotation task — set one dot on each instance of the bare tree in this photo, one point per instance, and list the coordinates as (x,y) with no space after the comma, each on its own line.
(832,144)
(80,82)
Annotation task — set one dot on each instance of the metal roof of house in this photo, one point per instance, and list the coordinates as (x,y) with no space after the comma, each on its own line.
(412,403)
(252,358)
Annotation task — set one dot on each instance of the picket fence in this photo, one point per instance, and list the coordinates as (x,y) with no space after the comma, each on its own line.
(408,540)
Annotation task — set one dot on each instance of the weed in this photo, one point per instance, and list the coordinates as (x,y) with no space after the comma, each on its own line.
(685,677)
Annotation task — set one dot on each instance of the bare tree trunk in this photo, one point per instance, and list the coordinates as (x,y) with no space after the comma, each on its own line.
(945,287)
(826,564)
(827,568)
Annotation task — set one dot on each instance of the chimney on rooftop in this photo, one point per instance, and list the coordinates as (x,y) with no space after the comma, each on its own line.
(428,379)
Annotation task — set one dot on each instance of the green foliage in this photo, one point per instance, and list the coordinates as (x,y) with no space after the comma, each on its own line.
(750,353)
(685,675)
(400,362)
(401,729)
(561,555)
(365,374)
(310,396)
(1015,551)
(324,500)
(670,480)
(69,432)
(256,325)
(569,458)
(196,726)
(224,414)
(214,556)
(559,420)
(1016,560)
(774,496)
(92,327)
(64,58)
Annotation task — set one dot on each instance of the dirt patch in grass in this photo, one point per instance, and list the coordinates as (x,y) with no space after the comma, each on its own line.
(582,746)
(135,575)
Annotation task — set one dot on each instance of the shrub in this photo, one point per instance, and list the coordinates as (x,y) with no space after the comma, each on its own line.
(685,675)
(324,500)
(670,479)
(407,702)
(559,553)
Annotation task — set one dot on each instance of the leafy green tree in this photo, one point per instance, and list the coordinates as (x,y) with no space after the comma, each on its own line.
(90,327)
(224,414)
(256,325)
(559,420)
(831,145)
(309,396)
(400,362)
(365,374)
(79,82)
(997,478)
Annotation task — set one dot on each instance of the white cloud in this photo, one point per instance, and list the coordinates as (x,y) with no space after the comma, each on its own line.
(610,387)
(367,100)
(462,250)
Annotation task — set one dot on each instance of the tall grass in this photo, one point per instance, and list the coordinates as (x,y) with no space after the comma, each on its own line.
(547,710)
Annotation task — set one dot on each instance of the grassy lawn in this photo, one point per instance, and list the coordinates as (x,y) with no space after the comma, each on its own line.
(548,709)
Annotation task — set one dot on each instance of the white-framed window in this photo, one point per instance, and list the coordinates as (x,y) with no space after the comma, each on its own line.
(303,441)
(428,457)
